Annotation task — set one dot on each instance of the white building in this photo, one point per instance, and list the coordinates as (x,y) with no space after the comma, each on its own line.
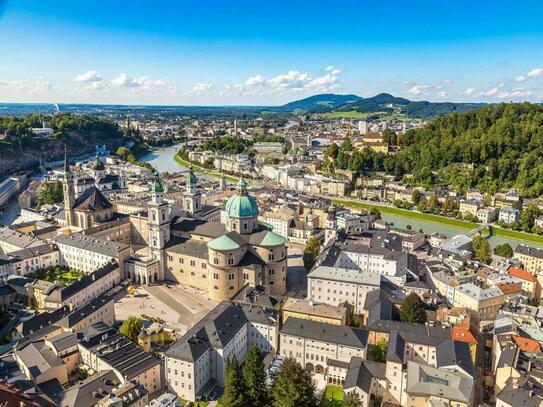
(335,286)
(509,215)
(229,330)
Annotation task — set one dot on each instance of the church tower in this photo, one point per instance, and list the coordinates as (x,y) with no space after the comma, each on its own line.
(192,198)
(69,192)
(159,224)
(330,231)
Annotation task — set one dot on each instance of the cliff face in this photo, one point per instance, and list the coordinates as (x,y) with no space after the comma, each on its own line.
(27,158)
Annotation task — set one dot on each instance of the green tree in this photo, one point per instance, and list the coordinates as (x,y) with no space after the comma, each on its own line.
(254,378)
(416,196)
(233,395)
(433,203)
(375,213)
(51,192)
(123,152)
(293,386)
(347,145)
(528,217)
(504,250)
(413,310)
(131,328)
(484,252)
(352,400)
(311,252)
(379,351)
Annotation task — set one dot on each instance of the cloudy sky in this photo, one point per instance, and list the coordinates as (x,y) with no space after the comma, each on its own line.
(225,52)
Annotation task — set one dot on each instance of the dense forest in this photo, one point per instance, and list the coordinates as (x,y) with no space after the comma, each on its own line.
(491,148)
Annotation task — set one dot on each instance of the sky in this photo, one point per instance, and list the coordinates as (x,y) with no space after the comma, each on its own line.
(225,52)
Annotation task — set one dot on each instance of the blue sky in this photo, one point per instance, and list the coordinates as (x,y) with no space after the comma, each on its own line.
(268,52)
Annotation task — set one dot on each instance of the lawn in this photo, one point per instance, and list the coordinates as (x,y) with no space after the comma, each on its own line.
(353,114)
(496,231)
(332,397)
(211,173)
(61,276)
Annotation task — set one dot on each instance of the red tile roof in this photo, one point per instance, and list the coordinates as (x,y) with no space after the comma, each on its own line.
(463,335)
(509,288)
(522,274)
(527,344)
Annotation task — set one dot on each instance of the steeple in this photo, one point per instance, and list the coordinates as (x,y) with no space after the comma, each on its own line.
(69,192)
(192,200)
(67,170)
(242,186)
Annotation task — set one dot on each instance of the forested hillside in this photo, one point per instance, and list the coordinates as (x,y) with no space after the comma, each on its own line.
(494,147)
(20,149)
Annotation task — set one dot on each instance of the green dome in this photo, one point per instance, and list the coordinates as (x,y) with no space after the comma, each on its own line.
(156,187)
(241,206)
(223,243)
(272,239)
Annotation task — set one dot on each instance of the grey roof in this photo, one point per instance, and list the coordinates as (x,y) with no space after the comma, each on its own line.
(529,251)
(218,328)
(122,355)
(31,252)
(396,348)
(425,380)
(199,227)
(215,330)
(93,244)
(61,294)
(191,247)
(38,357)
(42,320)
(416,333)
(451,353)
(91,390)
(73,318)
(345,275)
(92,199)
(361,372)
(63,341)
(19,239)
(341,335)
(522,392)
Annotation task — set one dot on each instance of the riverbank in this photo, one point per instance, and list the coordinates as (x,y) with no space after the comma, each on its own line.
(184,163)
(463,224)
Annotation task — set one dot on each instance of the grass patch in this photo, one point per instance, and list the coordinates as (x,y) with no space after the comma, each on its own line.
(353,114)
(410,214)
(496,231)
(203,170)
(61,276)
(332,397)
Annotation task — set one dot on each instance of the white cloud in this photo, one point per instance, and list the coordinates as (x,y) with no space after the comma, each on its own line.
(532,74)
(418,89)
(441,94)
(143,82)
(254,81)
(89,76)
(36,86)
(201,88)
(469,91)
(333,70)
(293,80)
(515,93)
(492,91)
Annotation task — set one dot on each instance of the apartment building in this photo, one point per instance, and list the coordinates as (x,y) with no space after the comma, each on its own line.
(198,358)
(88,253)
(335,286)
(509,215)
(530,257)
(31,259)
(319,346)
(307,309)
(85,289)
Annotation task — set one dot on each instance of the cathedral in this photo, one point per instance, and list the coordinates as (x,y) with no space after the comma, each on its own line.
(176,240)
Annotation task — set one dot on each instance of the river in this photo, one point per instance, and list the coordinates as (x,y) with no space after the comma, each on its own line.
(163,160)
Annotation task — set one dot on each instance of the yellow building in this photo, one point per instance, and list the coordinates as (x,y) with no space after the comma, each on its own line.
(153,336)
(304,309)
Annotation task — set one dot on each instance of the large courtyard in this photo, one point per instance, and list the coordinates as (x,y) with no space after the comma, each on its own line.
(181,307)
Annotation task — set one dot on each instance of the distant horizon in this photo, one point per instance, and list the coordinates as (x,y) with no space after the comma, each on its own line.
(256,53)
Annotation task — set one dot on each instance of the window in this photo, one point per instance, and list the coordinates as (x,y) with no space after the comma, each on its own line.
(216,276)
(215,260)
(230,276)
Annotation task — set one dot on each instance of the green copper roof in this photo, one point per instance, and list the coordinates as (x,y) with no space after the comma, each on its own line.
(157,187)
(241,183)
(191,179)
(241,206)
(223,243)
(272,239)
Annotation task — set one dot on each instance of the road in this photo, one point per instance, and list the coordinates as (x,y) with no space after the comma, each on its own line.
(296,273)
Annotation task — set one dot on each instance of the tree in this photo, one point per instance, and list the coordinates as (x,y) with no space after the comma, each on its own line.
(254,378)
(528,217)
(484,252)
(311,252)
(413,310)
(416,196)
(352,400)
(375,213)
(379,351)
(123,152)
(433,203)
(51,192)
(347,145)
(131,328)
(293,386)
(233,395)
(504,250)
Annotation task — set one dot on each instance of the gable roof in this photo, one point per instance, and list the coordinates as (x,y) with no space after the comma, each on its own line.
(92,199)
